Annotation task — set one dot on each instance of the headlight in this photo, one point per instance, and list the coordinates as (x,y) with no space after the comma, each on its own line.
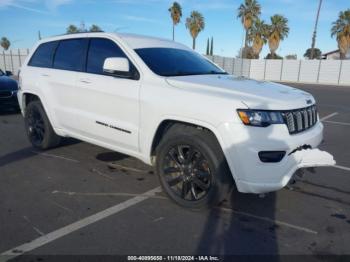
(260,118)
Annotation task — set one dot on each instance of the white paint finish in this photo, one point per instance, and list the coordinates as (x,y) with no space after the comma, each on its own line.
(329,71)
(345,75)
(290,71)
(138,41)
(48,238)
(273,69)
(257,69)
(124,115)
(309,71)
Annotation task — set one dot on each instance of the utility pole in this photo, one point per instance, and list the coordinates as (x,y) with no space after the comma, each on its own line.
(315,32)
(39,35)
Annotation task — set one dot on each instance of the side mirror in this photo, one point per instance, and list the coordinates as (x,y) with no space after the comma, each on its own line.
(9,73)
(117,66)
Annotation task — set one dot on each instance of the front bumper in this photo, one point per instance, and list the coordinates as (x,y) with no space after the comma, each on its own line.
(242,144)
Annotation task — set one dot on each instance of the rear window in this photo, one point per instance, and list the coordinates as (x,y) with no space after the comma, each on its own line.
(43,56)
(71,54)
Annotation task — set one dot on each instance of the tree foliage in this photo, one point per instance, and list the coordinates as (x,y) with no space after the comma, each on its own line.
(317,53)
(73,29)
(176,14)
(195,24)
(5,43)
(95,28)
(341,30)
(278,30)
(248,12)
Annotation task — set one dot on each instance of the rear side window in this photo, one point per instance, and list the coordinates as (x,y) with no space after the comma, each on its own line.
(99,50)
(70,55)
(43,56)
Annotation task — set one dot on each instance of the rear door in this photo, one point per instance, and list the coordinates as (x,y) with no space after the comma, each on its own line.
(108,106)
(69,60)
(35,77)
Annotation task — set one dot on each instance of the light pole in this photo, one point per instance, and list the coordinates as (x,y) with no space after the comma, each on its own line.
(315,32)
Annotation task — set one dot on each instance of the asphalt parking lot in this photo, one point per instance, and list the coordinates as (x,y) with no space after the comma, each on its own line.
(72,201)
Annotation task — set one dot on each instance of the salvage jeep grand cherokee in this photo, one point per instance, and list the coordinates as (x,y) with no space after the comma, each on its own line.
(159,101)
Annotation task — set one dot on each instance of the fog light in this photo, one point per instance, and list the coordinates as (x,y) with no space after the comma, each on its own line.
(271,156)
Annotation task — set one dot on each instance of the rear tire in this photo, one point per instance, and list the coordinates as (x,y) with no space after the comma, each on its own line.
(192,167)
(38,127)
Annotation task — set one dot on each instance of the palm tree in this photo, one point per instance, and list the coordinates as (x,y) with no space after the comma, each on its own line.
(258,36)
(341,29)
(95,28)
(248,13)
(176,14)
(5,43)
(72,29)
(277,31)
(195,24)
(315,31)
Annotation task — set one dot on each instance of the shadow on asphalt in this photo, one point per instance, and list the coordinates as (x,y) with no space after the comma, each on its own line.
(17,156)
(111,156)
(236,234)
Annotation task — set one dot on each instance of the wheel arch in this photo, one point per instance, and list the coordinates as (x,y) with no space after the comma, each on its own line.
(28,96)
(164,125)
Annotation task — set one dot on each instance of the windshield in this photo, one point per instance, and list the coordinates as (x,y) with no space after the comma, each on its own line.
(1,73)
(177,62)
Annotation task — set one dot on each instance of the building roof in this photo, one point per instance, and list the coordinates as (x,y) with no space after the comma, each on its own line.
(331,52)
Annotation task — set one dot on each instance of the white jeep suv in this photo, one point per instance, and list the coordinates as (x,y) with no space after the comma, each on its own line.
(203,129)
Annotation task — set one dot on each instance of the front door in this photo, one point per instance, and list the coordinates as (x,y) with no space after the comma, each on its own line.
(108,106)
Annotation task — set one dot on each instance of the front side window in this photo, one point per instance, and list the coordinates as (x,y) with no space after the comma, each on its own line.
(99,50)
(43,56)
(177,62)
(70,55)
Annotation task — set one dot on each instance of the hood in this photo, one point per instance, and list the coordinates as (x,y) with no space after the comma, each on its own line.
(8,84)
(254,94)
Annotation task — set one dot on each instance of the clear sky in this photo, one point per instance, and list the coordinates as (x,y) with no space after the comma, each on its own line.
(20,20)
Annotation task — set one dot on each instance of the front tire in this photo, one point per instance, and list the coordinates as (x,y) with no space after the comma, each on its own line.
(39,130)
(192,168)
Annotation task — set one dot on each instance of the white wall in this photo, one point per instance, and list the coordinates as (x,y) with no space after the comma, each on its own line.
(13,59)
(334,72)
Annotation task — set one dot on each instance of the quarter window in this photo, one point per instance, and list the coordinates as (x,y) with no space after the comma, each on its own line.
(43,56)
(70,55)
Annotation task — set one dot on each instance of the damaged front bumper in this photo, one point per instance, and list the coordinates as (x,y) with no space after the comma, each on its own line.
(254,176)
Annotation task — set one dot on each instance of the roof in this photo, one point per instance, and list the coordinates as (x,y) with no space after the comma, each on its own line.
(139,41)
(331,52)
(134,41)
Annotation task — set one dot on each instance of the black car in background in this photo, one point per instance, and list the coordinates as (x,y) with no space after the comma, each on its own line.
(8,92)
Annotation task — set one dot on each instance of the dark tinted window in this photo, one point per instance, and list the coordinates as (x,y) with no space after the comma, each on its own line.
(43,56)
(1,73)
(177,62)
(99,50)
(70,55)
